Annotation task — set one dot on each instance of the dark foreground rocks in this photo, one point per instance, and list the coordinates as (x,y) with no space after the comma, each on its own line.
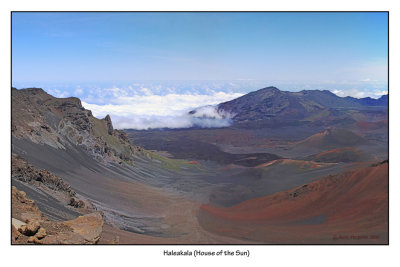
(25,172)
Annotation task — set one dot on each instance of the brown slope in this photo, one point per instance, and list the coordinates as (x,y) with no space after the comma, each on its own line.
(332,138)
(344,154)
(348,208)
(367,125)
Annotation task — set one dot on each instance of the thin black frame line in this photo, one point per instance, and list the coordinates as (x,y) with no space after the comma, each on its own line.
(388,126)
(196,11)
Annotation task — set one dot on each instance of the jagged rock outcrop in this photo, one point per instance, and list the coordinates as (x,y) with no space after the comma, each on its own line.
(110,128)
(30,226)
(64,123)
(25,172)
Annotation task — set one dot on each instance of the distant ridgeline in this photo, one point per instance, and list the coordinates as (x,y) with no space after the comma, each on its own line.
(272,107)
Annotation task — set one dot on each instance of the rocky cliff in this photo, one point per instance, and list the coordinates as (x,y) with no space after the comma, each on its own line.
(63,123)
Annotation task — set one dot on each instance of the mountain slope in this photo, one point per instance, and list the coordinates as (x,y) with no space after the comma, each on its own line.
(136,190)
(63,122)
(344,154)
(157,199)
(281,107)
(332,138)
(353,205)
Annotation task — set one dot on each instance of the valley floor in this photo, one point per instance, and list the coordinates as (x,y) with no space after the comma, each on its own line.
(293,168)
(168,201)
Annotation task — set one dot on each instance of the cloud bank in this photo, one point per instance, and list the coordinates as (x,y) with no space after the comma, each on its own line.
(149,111)
(359,93)
(165,104)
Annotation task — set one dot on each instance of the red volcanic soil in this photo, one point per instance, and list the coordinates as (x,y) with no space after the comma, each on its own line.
(194,162)
(345,154)
(302,164)
(348,208)
(366,125)
(337,151)
(332,138)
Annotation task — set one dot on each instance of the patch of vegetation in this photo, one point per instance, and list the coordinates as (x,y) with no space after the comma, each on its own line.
(173,164)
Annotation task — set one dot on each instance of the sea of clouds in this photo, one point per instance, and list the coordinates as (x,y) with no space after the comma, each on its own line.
(151,111)
(166,104)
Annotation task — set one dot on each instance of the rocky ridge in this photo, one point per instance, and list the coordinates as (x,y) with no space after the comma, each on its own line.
(63,123)
(271,105)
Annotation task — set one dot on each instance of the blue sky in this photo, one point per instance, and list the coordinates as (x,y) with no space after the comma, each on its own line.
(76,47)
(91,55)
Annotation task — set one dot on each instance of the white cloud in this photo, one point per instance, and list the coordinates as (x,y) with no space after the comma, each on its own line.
(159,111)
(359,93)
(211,112)
(146,91)
(155,104)
(58,93)
(380,93)
(351,92)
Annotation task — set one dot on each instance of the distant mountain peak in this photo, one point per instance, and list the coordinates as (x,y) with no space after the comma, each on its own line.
(273,106)
(269,88)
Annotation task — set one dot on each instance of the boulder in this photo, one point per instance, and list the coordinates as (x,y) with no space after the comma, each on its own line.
(34,239)
(29,229)
(41,233)
(76,203)
(88,226)
(30,226)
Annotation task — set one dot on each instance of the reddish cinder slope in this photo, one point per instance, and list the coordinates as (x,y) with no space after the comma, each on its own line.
(366,125)
(347,208)
(332,138)
(301,164)
(345,154)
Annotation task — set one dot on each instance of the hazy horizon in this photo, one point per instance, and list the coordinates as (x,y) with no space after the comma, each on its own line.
(146,105)
(147,69)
